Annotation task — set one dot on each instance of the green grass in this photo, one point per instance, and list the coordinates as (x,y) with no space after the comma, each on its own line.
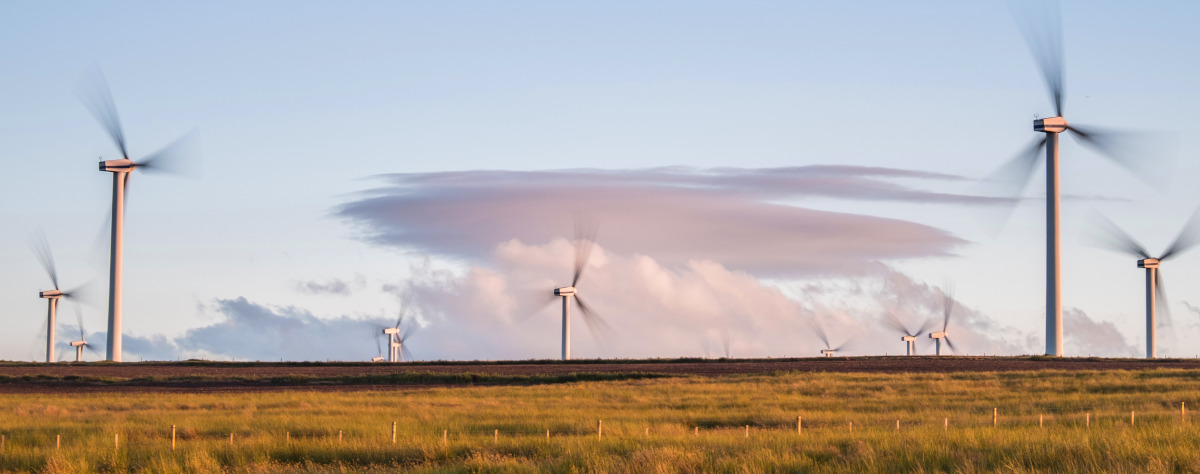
(671,408)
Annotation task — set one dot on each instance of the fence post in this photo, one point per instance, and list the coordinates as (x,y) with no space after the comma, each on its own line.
(1132,417)
(172,437)
(799,425)
(994,417)
(945,424)
(897,425)
(393,432)
(444,436)
(496,436)
(599,429)
(57,441)
(647,431)
(231,439)
(339,436)
(1041,420)
(851,426)
(287,437)
(116,441)
(1089,420)
(2,440)
(547,434)
(696,431)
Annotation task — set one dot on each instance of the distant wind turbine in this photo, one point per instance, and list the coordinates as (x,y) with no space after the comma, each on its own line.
(1113,238)
(99,101)
(947,311)
(41,249)
(909,337)
(82,343)
(584,240)
(828,351)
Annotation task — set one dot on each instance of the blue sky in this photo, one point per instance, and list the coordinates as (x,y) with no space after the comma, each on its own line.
(298,104)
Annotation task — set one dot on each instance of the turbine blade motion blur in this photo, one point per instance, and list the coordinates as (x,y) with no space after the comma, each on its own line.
(1163,305)
(96,96)
(1138,153)
(179,158)
(1187,238)
(1043,33)
(41,249)
(595,323)
(585,238)
(1110,237)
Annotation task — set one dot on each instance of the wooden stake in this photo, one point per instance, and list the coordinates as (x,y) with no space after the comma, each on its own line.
(547,435)
(696,431)
(57,441)
(339,436)
(599,429)
(799,425)
(747,431)
(1088,422)
(994,415)
(1131,417)
(444,436)
(945,424)
(1040,420)
(851,426)
(287,436)
(647,431)
(496,436)
(231,439)
(393,432)
(897,425)
(172,437)
(116,441)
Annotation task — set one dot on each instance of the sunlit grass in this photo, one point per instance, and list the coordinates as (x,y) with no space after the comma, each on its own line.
(689,424)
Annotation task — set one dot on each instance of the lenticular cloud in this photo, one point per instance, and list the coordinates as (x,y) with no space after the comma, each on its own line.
(739,218)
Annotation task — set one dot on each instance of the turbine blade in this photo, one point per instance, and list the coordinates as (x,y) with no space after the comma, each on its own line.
(1139,153)
(1187,238)
(378,346)
(925,327)
(595,323)
(948,304)
(585,238)
(950,345)
(404,352)
(1107,235)
(895,323)
(1010,179)
(404,304)
(1043,33)
(41,250)
(821,333)
(1163,305)
(79,320)
(408,331)
(540,300)
(725,342)
(179,158)
(94,92)
(98,254)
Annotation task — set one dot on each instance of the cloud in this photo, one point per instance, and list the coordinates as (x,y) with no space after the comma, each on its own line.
(739,218)
(332,286)
(1083,336)
(506,310)
(252,331)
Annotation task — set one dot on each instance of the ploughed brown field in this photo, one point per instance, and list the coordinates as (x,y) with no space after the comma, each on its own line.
(257,376)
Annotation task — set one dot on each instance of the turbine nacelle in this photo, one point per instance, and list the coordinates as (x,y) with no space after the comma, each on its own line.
(828,352)
(117,166)
(78,343)
(937,335)
(908,338)
(391,330)
(565,291)
(1148,263)
(1050,125)
(52,294)
(377,359)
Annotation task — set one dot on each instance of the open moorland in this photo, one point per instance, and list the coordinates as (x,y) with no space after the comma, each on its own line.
(600,416)
(207,375)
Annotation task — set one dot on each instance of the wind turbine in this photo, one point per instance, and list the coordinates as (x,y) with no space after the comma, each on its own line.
(1113,238)
(947,310)
(379,355)
(910,337)
(167,160)
(1045,42)
(41,249)
(827,351)
(82,342)
(396,350)
(584,240)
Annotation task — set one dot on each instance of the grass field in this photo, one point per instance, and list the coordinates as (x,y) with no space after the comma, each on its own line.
(668,424)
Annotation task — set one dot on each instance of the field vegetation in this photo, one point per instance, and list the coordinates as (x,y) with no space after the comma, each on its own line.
(1046,421)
